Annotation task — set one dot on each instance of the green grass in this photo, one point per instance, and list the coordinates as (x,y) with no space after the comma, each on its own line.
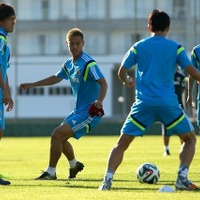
(22,159)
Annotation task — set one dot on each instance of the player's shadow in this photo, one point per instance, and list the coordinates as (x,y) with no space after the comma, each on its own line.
(77,183)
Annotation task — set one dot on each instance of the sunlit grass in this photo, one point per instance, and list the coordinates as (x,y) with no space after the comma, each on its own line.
(22,159)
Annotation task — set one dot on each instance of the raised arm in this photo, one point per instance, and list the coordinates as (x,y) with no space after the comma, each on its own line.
(44,82)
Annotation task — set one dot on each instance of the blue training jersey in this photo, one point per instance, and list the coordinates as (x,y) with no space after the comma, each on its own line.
(156,59)
(195,59)
(4,55)
(83,75)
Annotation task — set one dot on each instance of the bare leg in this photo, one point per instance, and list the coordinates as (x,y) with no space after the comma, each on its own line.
(68,150)
(117,153)
(186,156)
(114,160)
(188,148)
(166,140)
(59,135)
(3,182)
(1,134)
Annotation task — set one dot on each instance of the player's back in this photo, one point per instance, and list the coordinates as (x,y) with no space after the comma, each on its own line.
(156,64)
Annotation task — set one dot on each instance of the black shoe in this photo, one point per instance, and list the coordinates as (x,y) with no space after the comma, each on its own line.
(3,182)
(46,176)
(74,171)
(166,152)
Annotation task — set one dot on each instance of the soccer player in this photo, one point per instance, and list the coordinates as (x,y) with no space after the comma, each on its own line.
(89,89)
(7,23)
(195,59)
(179,84)
(156,58)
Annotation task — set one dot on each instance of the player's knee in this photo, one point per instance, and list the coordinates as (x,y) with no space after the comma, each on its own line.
(189,138)
(55,135)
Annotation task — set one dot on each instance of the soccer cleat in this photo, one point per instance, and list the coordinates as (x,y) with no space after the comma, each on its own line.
(74,171)
(3,182)
(166,152)
(186,184)
(46,176)
(106,184)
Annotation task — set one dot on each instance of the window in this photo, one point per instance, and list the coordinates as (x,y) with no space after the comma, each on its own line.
(179,8)
(51,91)
(41,42)
(59,91)
(179,3)
(31,91)
(45,9)
(90,9)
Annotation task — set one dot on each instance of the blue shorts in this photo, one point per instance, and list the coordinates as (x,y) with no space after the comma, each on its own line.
(81,124)
(2,120)
(141,117)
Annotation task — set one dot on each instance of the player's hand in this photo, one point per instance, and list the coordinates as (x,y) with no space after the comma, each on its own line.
(129,82)
(9,103)
(25,86)
(96,109)
(190,102)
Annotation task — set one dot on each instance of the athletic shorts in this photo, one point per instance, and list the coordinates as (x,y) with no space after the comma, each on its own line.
(141,117)
(2,120)
(81,124)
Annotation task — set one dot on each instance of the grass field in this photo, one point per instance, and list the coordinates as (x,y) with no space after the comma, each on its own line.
(22,159)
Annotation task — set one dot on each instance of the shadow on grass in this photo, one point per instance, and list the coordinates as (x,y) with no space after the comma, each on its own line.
(82,184)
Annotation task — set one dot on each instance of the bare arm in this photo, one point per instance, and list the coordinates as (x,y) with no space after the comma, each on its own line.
(103,90)
(44,82)
(193,72)
(10,104)
(191,82)
(123,76)
(7,100)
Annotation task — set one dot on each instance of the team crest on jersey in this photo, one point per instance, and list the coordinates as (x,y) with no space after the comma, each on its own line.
(76,75)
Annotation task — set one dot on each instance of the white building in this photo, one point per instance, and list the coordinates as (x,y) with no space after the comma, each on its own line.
(110,28)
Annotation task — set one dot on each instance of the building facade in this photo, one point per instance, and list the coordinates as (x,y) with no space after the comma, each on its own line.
(110,27)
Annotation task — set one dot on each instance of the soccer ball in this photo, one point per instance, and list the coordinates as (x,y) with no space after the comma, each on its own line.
(148,173)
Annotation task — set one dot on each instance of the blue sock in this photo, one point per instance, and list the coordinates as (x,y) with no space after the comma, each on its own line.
(109,174)
(182,172)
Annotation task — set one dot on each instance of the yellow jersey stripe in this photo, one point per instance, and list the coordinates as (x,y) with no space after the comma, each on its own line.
(87,70)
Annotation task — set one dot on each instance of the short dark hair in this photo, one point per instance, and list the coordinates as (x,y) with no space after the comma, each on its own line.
(74,32)
(6,11)
(158,20)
